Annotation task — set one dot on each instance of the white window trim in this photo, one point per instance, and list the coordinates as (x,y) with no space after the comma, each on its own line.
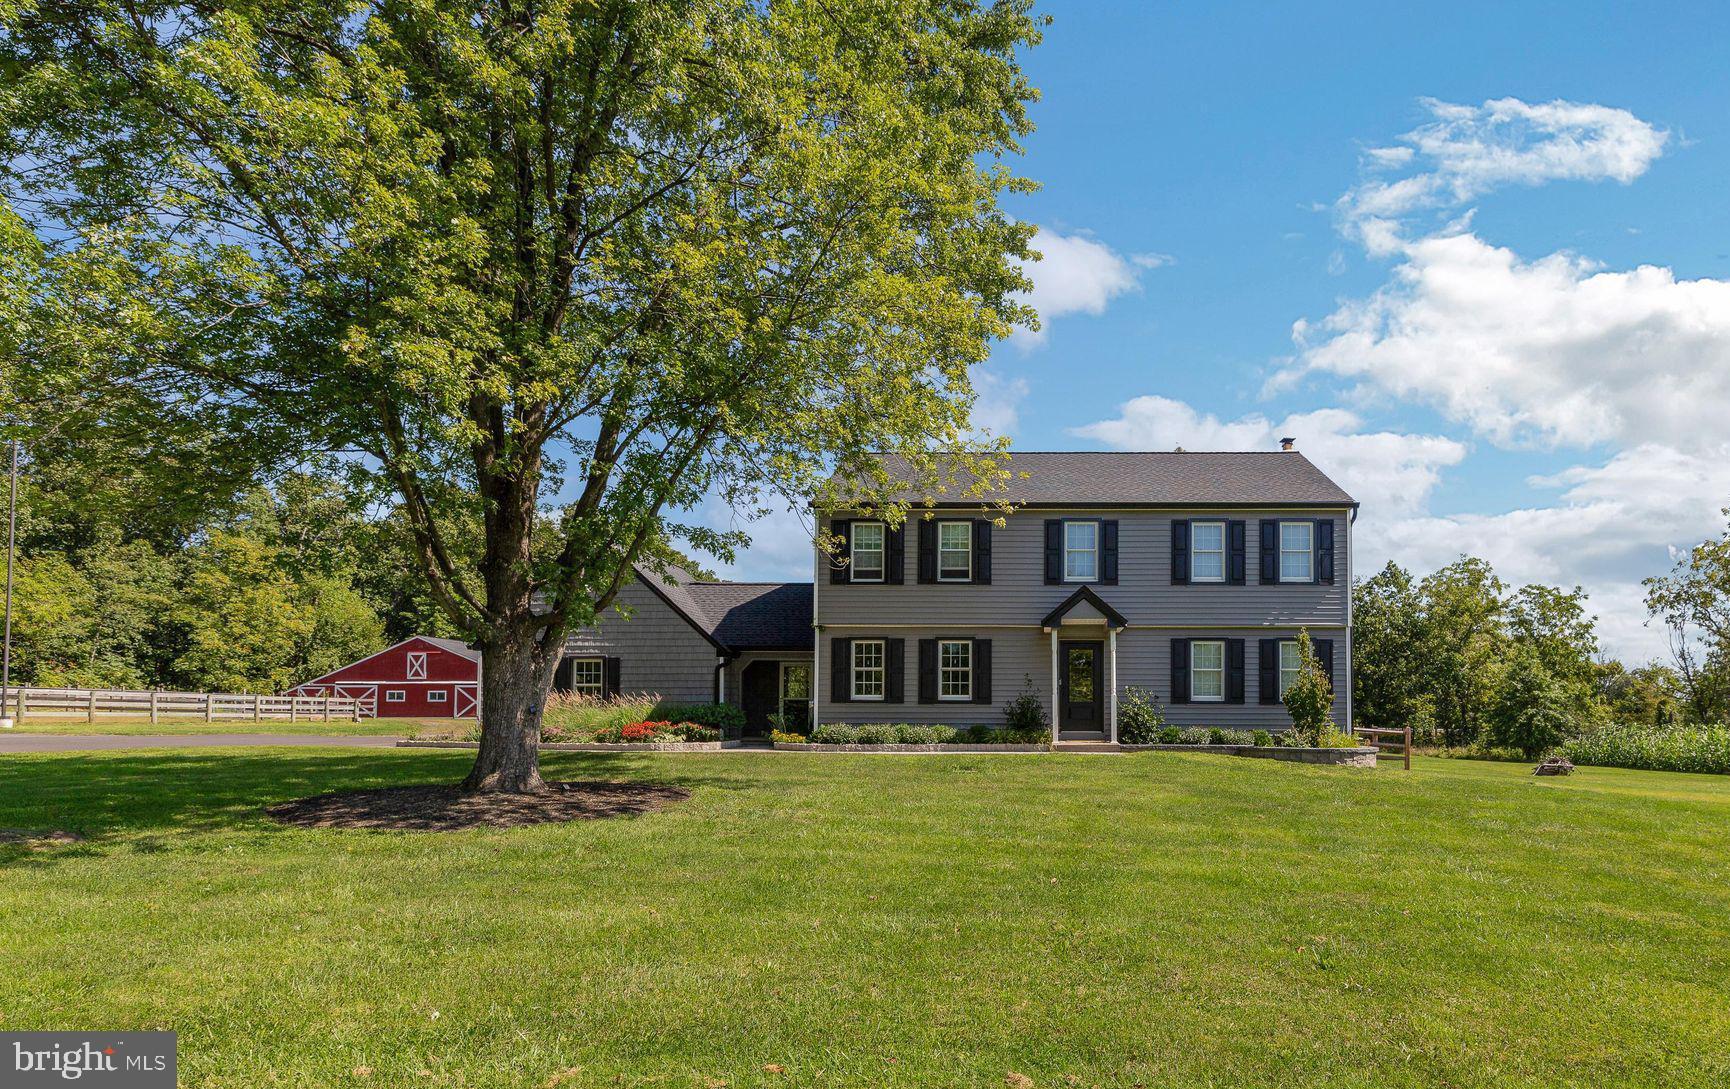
(968,577)
(781,697)
(1194,696)
(416,667)
(437,695)
(882,646)
(1279,673)
(1067,577)
(1310,555)
(1224,553)
(853,552)
(395,695)
(968,697)
(599,688)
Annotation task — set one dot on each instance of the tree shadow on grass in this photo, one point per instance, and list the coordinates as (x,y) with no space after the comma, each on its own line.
(106,794)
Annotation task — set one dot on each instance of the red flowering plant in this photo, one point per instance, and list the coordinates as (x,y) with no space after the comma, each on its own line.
(644,731)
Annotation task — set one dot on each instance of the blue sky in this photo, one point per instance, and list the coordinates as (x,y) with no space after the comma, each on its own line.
(1477,259)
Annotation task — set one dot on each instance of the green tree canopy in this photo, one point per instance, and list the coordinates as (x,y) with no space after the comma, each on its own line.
(578,264)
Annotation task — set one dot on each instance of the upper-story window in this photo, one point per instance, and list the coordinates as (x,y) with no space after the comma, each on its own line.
(954,551)
(867,551)
(1297,551)
(1080,551)
(1207,670)
(1207,552)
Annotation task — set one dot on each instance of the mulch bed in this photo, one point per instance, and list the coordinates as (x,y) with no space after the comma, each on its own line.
(449,809)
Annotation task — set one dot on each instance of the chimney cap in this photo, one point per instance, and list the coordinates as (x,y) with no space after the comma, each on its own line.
(1288,443)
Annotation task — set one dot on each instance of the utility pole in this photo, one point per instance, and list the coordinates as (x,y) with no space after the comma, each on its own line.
(6,640)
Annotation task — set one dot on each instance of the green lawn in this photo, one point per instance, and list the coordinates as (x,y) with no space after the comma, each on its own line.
(1158,920)
(141,726)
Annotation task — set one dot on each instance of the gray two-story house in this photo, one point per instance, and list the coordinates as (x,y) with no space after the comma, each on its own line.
(1187,575)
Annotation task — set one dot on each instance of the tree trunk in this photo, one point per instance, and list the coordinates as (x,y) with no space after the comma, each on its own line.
(515,677)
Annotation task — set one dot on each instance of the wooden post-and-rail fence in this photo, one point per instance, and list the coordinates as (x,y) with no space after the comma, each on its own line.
(210,706)
(1403,737)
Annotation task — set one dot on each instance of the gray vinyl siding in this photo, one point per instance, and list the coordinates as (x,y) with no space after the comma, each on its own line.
(1143,661)
(1144,592)
(659,652)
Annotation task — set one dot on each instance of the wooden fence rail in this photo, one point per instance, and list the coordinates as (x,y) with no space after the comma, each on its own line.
(210,706)
(1404,736)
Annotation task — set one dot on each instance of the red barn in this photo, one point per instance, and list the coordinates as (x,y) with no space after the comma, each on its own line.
(420,677)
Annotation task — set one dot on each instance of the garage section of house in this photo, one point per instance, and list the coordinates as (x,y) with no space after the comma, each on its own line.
(693,640)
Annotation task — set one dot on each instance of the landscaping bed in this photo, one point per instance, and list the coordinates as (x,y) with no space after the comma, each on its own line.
(448,808)
(807,746)
(588,746)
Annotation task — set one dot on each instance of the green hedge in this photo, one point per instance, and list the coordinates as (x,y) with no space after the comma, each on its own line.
(883,733)
(571,717)
(1677,748)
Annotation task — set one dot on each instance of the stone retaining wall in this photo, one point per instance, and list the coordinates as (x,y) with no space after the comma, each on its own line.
(588,746)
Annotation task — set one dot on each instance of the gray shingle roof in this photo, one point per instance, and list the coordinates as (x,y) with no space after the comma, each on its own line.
(1181,478)
(741,615)
(455,646)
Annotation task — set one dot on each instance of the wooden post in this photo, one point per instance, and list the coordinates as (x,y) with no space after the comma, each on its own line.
(153,706)
(327,706)
(23,698)
(90,708)
(1408,746)
(210,707)
(256,717)
(294,708)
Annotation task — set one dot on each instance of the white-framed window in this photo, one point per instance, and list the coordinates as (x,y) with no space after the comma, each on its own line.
(588,676)
(417,665)
(868,671)
(395,695)
(954,551)
(1289,664)
(866,556)
(955,669)
(436,695)
(1080,551)
(795,686)
(1297,551)
(1207,552)
(1207,671)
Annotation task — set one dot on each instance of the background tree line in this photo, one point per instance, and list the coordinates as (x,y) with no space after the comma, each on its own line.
(1467,660)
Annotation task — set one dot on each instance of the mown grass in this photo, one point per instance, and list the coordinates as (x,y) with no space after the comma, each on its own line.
(141,726)
(1157,920)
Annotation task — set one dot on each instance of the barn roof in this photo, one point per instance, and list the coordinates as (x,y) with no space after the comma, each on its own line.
(455,646)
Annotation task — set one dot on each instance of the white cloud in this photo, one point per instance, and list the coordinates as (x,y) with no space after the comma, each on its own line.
(1470,150)
(1388,472)
(1555,351)
(1077,275)
(997,410)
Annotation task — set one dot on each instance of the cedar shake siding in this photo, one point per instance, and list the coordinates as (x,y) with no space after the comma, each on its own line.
(657,650)
(1185,547)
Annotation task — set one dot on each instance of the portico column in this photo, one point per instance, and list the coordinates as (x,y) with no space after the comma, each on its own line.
(1111,696)
(1054,703)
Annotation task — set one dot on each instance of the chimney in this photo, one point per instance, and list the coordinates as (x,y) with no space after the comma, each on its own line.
(1288,443)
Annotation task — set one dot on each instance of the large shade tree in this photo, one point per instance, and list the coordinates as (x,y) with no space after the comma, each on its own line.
(556,272)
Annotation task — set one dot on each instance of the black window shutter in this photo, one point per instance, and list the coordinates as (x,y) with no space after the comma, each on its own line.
(841,567)
(1108,552)
(1325,550)
(841,670)
(927,550)
(1180,671)
(1234,671)
(895,554)
(982,551)
(927,671)
(894,668)
(1267,671)
(1269,551)
(1237,553)
(1324,649)
(982,671)
(1053,551)
(562,676)
(1179,552)
(610,676)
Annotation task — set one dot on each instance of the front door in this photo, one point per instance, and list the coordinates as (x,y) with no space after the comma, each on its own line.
(1081,695)
(759,696)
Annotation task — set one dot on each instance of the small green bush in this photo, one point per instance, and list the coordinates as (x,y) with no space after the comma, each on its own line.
(1216,736)
(1310,696)
(782,737)
(1140,719)
(877,733)
(1169,735)
(1262,738)
(1332,737)
(977,734)
(724,718)
(926,734)
(1025,720)
(835,733)
(1677,748)
(1235,737)
(1192,735)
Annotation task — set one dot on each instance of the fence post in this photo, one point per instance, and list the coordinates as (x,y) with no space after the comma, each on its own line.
(294,708)
(153,706)
(1408,746)
(327,706)
(256,716)
(210,707)
(90,708)
(23,698)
